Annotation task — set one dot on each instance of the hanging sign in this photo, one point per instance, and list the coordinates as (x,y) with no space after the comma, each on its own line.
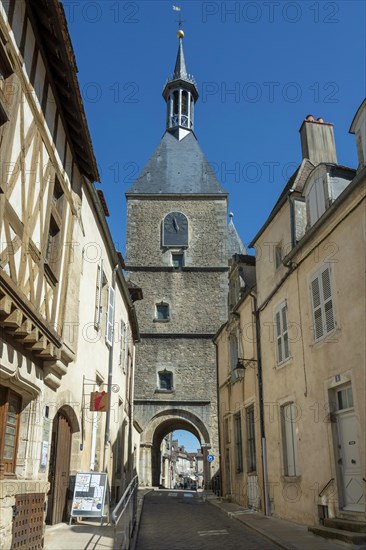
(99,401)
(89,494)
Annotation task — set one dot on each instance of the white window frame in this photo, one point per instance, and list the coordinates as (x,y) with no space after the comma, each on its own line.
(281,333)
(289,439)
(322,303)
(110,316)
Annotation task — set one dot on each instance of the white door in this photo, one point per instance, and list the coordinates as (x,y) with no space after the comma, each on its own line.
(349,453)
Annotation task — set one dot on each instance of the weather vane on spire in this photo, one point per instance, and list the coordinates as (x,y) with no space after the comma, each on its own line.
(179,21)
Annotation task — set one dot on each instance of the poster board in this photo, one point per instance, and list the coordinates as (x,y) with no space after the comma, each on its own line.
(89,495)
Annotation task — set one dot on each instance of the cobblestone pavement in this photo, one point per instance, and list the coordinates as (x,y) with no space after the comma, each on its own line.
(181,520)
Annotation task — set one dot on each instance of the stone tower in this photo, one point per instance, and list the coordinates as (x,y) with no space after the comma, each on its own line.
(177,252)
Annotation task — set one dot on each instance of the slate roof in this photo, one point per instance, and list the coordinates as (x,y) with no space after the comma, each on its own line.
(296,182)
(177,167)
(235,244)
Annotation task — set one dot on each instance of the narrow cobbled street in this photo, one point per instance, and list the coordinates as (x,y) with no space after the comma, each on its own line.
(178,520)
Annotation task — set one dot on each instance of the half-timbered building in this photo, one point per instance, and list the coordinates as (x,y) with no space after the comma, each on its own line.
(61,286)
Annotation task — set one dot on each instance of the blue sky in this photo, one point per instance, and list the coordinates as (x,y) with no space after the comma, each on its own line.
(261,68)
(190,442)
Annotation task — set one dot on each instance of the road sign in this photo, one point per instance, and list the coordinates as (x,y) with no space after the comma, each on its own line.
(210,458)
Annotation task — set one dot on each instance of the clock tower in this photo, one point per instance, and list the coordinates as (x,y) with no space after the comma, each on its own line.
(177,252)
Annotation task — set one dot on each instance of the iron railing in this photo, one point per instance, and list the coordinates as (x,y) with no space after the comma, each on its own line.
(126,511)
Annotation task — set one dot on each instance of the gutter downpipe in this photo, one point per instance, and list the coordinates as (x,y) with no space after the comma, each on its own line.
(110,374)
(256,312)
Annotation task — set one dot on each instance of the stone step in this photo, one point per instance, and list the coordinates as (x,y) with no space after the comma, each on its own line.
(346,524)
(338,534)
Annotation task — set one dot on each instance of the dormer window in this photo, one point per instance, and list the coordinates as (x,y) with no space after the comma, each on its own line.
(324,185)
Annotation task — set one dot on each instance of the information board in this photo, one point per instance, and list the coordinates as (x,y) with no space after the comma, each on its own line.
(89,494)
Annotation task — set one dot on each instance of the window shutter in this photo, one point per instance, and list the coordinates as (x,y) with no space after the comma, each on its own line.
(125,359)
(285,333)
(121,344)
(312,206)
(98,295)
(283,351)
(317,309)
(279,338)
(110,316)
(321,289)
(328,302)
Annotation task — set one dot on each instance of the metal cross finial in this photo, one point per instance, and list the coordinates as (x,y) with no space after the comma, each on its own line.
(180,20)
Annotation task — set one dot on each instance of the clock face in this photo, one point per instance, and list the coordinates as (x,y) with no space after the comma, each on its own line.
(175,229)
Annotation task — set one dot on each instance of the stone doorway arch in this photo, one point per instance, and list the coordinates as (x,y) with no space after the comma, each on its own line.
(65,423)
(161,425)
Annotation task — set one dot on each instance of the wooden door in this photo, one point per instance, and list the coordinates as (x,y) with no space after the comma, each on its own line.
(59,469)
(349,462)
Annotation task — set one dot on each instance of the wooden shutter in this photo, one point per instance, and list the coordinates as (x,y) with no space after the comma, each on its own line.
(328,302)
(110,316)
(283,351)
(286,353)
(323,313)
(121,344)
(125,359)
(98,295)
(279,337)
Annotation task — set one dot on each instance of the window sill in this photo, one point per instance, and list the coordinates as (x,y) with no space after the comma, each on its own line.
(161,320)
(291,479)
(284,363)
(164,391)
(329,338)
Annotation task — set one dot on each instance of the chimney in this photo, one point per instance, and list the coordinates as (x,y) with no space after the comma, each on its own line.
(317,141)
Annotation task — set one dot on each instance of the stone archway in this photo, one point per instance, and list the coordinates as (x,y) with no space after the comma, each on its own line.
(159,426)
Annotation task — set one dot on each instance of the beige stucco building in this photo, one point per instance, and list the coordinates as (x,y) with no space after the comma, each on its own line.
(310,312)
(239,404)
(68,324)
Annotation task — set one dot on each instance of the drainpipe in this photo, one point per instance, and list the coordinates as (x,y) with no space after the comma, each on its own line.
(267,509)
(109,385)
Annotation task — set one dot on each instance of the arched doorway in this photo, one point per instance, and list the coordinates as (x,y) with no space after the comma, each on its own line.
(160,426)
(59,468)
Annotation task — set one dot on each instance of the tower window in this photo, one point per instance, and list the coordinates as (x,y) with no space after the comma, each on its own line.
(178,259)
(162,312)
(184,103)
(165,380)
(176,102)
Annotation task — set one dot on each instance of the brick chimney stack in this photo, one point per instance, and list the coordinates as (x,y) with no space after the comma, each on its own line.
(317,141)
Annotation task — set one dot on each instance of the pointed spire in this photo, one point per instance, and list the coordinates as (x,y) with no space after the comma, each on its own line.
(180,93)
(235,244)
(180,70)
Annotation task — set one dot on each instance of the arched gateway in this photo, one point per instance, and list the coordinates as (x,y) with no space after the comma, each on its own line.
(161,425)
(177,252)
